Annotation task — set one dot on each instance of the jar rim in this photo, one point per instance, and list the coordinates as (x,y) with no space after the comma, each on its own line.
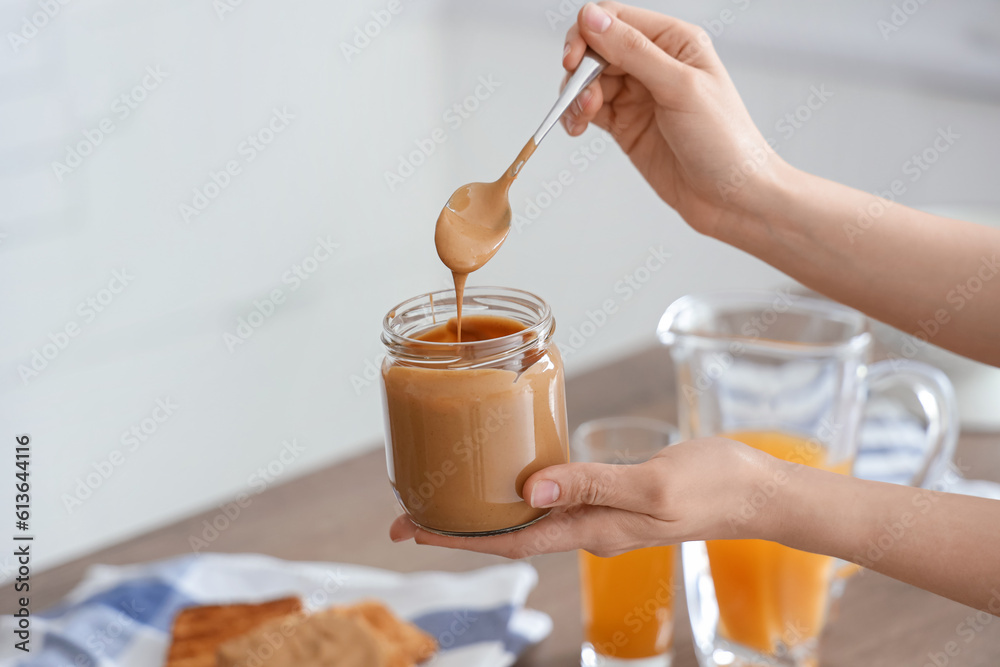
(537,329)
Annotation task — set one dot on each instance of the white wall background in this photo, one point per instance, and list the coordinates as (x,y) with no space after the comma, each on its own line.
(323,176)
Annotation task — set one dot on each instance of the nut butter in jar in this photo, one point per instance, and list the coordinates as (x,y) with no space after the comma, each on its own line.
(467,423)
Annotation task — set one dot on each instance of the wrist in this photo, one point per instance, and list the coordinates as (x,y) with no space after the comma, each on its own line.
(777,187)
(759,218)
(801,515)
(754,507)
(785,485)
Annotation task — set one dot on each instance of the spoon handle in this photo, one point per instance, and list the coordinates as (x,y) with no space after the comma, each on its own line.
(591,65)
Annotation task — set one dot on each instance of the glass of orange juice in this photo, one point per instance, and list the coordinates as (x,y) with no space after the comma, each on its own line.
(789,375)
(628,600)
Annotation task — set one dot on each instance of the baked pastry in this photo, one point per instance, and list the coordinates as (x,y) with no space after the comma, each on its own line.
(325,639)
(367,634)
(199,631)
(416,644)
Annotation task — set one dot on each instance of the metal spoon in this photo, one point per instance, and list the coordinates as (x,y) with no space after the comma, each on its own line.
(588,70)
(476,219)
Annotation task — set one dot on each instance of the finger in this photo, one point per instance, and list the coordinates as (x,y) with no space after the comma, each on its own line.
(584,108)
(636,488)
(682,41)
(595,110)
(574,48)
(402,529)
(601,530)
(573,128)
(658,66)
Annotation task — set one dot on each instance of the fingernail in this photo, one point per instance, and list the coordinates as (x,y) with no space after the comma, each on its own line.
(566,50)
(582,99)
(399,538)
(544,494)
(595,18)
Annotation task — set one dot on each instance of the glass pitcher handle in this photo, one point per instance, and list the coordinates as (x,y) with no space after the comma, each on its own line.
(936,397)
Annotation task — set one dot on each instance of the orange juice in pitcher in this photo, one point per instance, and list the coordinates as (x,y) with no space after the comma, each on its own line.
(770,594)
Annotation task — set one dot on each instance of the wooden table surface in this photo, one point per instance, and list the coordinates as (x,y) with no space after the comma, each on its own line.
(342,513)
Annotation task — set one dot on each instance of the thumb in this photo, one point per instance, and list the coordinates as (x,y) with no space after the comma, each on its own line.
(635,488)
(619,34)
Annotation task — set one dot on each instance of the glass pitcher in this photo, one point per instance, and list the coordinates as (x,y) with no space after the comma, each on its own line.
(789,375)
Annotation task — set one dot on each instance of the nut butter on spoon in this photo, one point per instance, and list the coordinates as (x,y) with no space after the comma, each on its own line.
(476,220)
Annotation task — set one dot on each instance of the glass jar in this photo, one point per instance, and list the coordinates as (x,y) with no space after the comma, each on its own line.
(467,423)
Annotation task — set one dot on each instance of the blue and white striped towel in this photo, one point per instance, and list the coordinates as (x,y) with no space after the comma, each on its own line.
(121,616)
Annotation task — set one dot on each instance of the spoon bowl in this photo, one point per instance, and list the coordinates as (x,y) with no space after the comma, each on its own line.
(473,225)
